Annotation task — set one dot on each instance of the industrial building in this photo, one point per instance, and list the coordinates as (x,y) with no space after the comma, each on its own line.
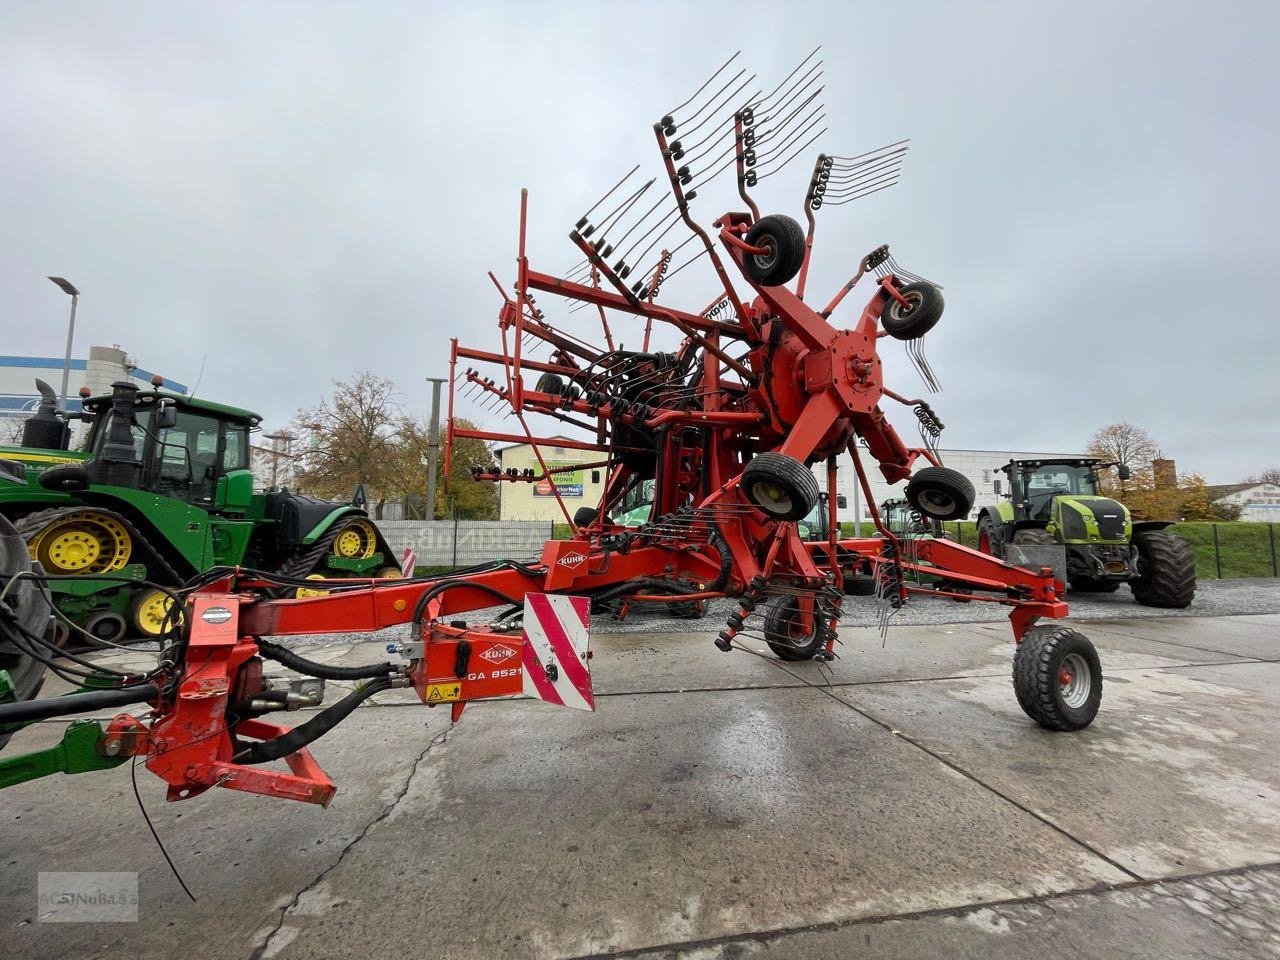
(103,366)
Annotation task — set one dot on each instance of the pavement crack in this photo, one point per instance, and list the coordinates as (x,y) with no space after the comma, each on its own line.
(260,951)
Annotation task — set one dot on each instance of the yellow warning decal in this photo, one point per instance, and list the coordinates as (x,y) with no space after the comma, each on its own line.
(442,692)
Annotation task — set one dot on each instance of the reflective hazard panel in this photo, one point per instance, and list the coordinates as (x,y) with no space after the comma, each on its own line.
(556,655)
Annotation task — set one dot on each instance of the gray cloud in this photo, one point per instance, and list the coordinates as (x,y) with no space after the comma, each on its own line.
(301,191)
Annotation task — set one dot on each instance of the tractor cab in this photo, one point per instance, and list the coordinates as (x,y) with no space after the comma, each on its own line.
(176,447)
(1033,484)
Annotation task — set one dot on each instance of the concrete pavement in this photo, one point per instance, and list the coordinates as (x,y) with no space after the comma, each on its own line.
(897,805)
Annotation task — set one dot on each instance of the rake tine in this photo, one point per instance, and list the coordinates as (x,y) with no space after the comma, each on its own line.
(672,112)
(787,79)
(805,146)
(582,222)
(844,200)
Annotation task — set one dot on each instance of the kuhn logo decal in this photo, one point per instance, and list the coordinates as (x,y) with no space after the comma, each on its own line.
(497,654)
(216,615)
(571,560)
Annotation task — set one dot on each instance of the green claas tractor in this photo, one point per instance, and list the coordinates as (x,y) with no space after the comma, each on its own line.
(163,490)
(1056,501)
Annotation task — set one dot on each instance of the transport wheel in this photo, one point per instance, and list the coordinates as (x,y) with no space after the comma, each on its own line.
(106,626)
(782,488)
(584,516)
(149,613)
(550,383)
(1057,677)
(941,493)
(358,540)
(921,314)
(785,240)
(1166,570)
(859,585)
(786,635)
(1092,585)
(389,573)
(302,593)
(986,541)
(82,542)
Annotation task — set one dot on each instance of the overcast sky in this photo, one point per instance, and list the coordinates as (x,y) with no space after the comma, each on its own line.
(291,193)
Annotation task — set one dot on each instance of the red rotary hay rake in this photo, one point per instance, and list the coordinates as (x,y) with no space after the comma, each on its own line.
(758,385)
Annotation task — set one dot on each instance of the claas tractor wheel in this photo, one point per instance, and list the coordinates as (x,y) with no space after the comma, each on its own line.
(780,487)
(941,493)
(786,633)
(1166,570)
(149,613)
(1057,677)
(785,241)
(304,592)
(918,316)
(358,540)
(83,542)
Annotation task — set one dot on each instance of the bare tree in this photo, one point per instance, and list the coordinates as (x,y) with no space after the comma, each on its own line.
(1127,444)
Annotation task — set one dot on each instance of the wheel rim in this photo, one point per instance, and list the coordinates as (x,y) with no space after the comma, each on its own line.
(913,299)
(83,542)
(390,573)
(936,502)
(765,261)
(357,541)
(1075,681)
(151,613)
(770,497)
(304,592)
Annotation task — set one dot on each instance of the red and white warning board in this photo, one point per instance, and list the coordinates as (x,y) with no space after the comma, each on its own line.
(556,639)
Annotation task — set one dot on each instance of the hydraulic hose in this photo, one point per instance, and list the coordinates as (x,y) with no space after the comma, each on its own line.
(27,711)
(325,671)
(313,729)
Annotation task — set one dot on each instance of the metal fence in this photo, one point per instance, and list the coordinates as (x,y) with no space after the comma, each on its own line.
(460,543)
(1224,551)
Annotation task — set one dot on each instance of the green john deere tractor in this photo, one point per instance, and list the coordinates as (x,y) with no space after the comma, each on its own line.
(163,490)
(1056,501)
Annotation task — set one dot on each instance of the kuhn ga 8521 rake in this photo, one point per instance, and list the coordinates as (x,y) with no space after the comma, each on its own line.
(719,433)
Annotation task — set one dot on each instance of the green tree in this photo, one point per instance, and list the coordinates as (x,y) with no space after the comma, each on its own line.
(474,500)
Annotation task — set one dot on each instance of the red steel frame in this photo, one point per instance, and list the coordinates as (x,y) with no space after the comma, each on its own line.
(770,374)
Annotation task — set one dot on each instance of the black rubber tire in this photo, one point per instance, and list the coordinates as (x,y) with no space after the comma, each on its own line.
(585,516)
(1036,677)
(986,526)
(27,605)
(107,626)
(791,476)
(550,383)
(941,493)
(1035,537)
(787,240)
(859,585)
(778,618)
(1166,570)
(1091,585)
(925,311)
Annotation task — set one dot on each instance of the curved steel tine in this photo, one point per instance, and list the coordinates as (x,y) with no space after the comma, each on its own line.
(719,70)
(620,211)
(609,192)
(724,103)
(804,83)
(844,200)
(859,156)
(801,149)
(851,188)
(805,124)
(785,80)
(886,163)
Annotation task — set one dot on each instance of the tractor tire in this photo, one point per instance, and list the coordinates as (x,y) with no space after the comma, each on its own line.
(986,538)
(922,313)
(550,383)
(941,493)
(1092,585)
(1035,537)
(28,605)
(1057,677)
(781,488)
(1166,570)
(780,631)
(786,240)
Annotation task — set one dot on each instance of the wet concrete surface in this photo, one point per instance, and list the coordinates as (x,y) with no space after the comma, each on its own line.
(897,804)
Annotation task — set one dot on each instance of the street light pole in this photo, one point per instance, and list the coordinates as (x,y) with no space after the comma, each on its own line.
(67,287)
(433,445)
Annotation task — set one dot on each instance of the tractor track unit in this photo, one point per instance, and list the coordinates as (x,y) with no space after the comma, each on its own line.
(757,387)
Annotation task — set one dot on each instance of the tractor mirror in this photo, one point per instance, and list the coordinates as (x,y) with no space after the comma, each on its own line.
(166,415)
(842,501)
(1123,472)
(995,487)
